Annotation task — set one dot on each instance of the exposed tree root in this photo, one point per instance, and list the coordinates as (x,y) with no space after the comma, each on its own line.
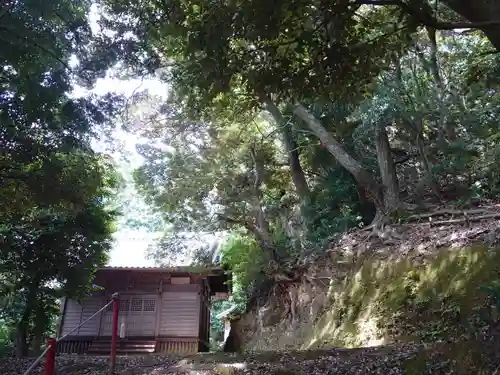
(388,233)
(466,219)
(448,212)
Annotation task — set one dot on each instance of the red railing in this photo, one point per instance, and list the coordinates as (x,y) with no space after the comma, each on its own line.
(50,351)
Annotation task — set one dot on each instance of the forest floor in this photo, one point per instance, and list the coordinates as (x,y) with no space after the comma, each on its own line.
(418,239)
(387,360)
(428,232)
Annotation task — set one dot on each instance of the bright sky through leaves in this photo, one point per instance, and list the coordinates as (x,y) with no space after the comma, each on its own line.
(130,243)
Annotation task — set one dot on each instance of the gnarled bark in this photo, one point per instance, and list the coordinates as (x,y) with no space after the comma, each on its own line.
(262,235)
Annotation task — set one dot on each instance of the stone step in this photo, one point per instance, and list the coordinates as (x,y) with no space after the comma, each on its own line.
(124,343)
(123,347)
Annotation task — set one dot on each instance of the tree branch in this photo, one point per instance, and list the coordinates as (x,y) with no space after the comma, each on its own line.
(464,25)
(427,20)
(377,2)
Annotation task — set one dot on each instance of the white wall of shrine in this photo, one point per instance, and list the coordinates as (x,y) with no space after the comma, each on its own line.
(169,314)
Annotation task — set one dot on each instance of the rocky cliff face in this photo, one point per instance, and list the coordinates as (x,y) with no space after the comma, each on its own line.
(426,283)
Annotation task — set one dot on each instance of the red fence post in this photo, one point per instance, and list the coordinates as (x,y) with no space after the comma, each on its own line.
(114,333)
(50,359)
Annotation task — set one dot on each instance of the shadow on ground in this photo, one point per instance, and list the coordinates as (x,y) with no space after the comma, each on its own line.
(460,358)
(464,358)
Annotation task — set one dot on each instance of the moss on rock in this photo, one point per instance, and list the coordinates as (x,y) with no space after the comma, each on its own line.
(406,301)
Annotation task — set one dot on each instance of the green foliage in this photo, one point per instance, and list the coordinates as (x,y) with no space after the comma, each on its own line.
(217,325)
(334,207)
(256,51)
(254,47)
(50,252)
(247,262)
(5,340)
(57,196)
(214,162)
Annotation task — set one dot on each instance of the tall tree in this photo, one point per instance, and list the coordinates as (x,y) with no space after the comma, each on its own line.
(213,177)
(345,68)
(291,148)
(291,51)
(55,225)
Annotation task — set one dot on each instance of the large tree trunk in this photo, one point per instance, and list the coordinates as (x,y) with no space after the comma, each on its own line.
(480,11)
(298,176)
(36,343)
(261,227)
(263,236)
(361,175)
(264,239)
(22,340)
(387,170)
(22,347)
(22,328)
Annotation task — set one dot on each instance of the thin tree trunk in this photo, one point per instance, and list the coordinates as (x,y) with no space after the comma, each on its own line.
(432,70)
(447,126)
(417,129)
(427,168)
(361,175)
(36,343)
(293,156)
(387,170)
(298,176)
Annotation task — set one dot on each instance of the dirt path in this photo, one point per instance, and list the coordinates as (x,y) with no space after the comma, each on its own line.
(443,359)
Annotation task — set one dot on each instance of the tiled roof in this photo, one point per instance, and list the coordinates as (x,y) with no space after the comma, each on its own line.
(164,269)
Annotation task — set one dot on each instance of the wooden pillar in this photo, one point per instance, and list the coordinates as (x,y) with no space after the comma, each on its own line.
(81,316)
(61,318)
(208,317)
(209,305)
(159,303)
(101,315)
(114,333)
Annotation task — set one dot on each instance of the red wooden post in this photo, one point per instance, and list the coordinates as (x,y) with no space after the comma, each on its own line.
(114,333)
(50,359)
